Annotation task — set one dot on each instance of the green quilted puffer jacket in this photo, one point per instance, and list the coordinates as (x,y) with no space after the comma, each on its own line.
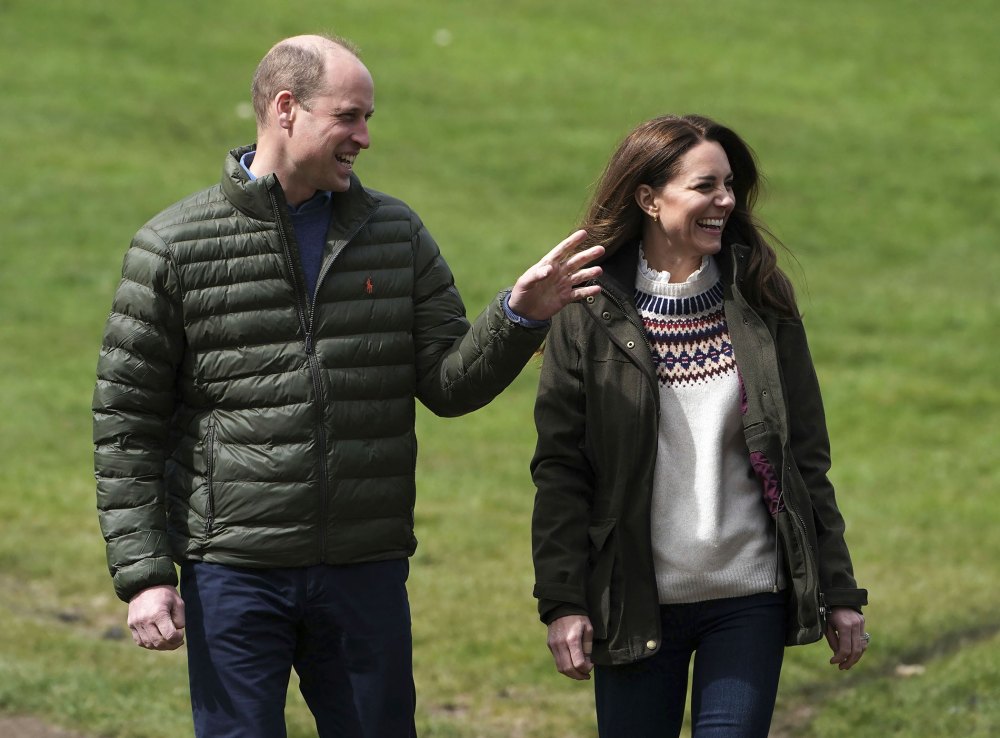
(238,420)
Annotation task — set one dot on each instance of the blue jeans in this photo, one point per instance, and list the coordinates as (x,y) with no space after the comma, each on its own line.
(738,645)
(344,629)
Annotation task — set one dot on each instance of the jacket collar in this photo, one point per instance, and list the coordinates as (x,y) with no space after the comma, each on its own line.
(619,268)
(254,197)
(619,271)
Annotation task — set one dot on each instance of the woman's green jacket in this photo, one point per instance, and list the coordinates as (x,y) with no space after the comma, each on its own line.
(597,414)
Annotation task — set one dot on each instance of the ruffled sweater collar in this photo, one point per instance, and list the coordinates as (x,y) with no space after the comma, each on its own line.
(658,283)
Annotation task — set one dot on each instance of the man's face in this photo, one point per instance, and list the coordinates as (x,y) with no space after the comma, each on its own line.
(330,130)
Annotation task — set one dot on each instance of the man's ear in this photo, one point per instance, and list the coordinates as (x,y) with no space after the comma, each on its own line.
(284,106)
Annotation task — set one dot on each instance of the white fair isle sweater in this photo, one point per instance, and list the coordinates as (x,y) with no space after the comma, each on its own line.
(712,535)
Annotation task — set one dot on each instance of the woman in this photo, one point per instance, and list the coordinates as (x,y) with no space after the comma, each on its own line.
(683,503)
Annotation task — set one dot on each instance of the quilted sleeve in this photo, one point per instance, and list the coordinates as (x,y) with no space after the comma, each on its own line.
(133,402)
(461,367)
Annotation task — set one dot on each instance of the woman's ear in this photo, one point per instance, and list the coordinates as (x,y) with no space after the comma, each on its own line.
(644,196)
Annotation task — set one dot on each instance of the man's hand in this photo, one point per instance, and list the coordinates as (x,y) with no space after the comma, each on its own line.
(845,632)
(548,286)
(571,639)
(156,618)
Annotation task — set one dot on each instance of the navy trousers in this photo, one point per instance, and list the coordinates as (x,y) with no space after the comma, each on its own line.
(738,645)
(344,629)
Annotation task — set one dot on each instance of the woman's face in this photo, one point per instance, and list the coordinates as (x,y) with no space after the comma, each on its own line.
(688,214)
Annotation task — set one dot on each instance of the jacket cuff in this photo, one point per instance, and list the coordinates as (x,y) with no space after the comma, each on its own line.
(518,319)
(550,610)
(132,579)
(853,598)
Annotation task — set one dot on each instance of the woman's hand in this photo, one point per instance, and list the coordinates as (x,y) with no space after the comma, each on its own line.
(571,639)
(845,632)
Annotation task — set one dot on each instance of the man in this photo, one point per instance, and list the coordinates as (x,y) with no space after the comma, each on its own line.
(254,410)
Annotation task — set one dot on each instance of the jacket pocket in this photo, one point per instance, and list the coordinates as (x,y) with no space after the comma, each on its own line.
(602,565)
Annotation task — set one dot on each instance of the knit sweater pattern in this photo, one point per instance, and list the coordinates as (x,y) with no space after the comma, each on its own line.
(712,537)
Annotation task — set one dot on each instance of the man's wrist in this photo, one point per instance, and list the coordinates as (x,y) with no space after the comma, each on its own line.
(520,319)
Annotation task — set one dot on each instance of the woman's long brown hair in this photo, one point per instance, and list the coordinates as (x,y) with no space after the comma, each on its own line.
(651,155)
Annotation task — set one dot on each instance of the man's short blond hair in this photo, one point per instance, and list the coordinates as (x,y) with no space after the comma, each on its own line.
(295,64)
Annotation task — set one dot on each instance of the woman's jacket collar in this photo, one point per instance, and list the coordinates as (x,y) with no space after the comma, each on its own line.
(619,268)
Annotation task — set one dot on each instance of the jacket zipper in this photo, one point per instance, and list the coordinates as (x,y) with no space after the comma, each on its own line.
(209,475)
(326,269)
(307,320)
(314,372)
(777,555)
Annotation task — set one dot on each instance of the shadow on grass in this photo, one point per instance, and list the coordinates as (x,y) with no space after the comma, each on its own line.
(802,705)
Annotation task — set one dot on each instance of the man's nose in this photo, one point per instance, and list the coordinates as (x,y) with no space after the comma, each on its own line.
(361,136)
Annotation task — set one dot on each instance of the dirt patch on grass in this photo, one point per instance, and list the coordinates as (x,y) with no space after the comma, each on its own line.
(29,727)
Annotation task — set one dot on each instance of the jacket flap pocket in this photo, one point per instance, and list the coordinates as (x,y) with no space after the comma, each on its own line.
(600,531)
(757,436)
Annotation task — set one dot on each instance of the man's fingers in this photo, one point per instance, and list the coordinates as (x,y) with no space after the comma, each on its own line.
(540,272)
(156,618)
(583,292)
(169,636)
(136,638)
(565,246)
(533,276)
(138,626)
(583,258)
(585,275)
(146,636)
(177,613)
(158,636)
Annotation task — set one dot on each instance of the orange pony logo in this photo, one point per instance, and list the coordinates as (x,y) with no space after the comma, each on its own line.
(369,286)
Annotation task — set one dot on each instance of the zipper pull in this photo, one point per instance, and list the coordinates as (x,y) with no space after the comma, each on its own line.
(309,343)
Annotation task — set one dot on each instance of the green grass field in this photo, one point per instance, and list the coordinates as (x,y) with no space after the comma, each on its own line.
(876,124)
